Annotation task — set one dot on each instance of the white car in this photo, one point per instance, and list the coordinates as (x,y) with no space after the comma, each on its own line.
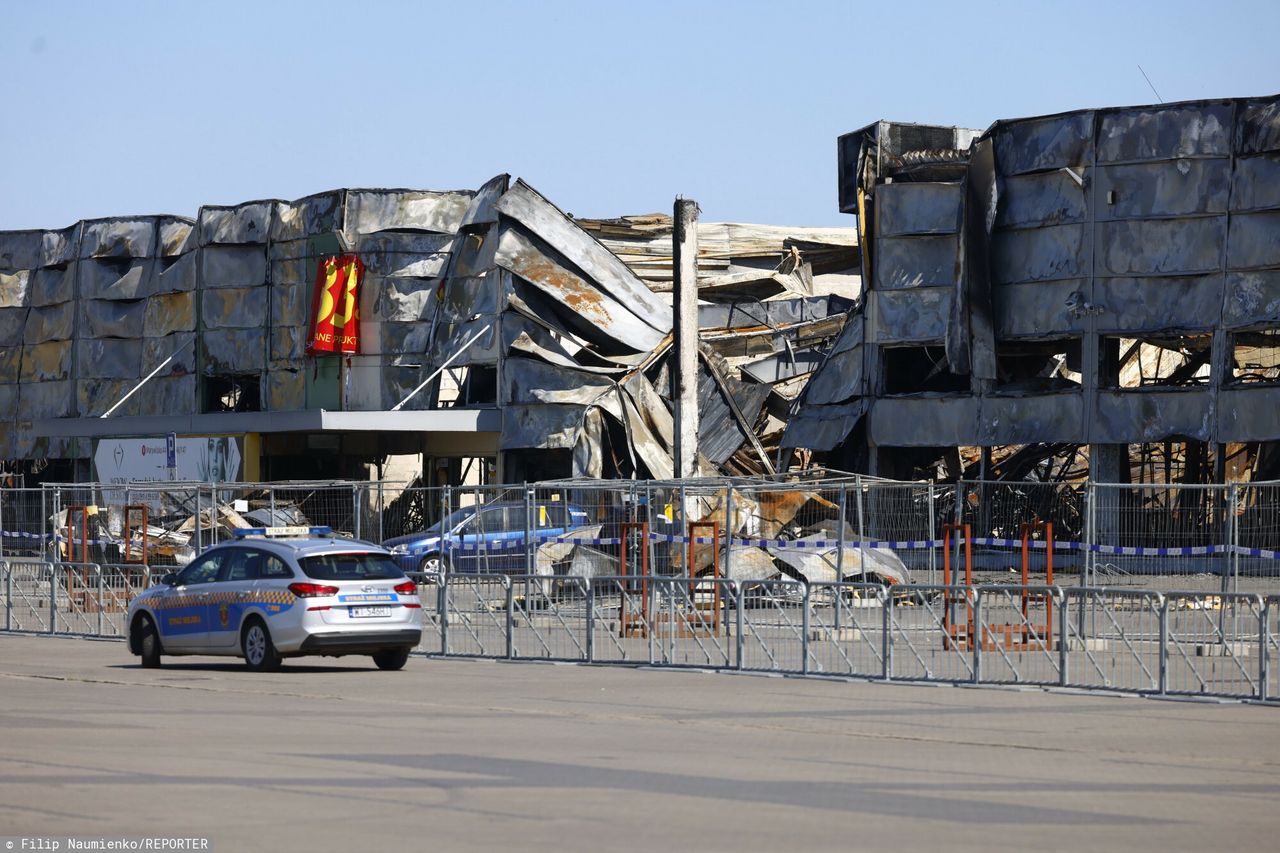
(274,593)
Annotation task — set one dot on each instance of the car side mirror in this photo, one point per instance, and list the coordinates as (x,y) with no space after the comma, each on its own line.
(170,579)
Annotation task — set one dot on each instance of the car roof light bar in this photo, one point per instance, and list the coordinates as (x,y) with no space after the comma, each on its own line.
(278,532)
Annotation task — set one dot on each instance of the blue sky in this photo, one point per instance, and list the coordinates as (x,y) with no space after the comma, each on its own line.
(123,107)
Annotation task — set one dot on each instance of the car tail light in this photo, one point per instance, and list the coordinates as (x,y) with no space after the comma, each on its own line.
(311,590)
(407,588)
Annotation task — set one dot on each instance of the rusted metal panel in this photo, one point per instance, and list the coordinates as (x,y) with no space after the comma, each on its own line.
(10,364)
(1031,419)
(1039,254)
(50,323)
(46,362)
(109,358)
(111,319)
(168,312)
(906,262)
(1042,198)
(605,269)
(241,224)
(591,311)
(1252,297)
(1038,145)
(232,266)
(1130,417)
(913,315)
(1165,132)
(917,208)
(923,421)
(233,308)
(1168,188)
(1254,241)
(1151,304)
(369,211)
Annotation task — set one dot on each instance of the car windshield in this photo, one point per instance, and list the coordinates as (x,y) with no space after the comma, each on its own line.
(351,567)
(454,519)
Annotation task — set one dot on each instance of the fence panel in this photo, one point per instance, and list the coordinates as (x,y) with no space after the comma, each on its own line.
(1213,644)
(28,585)
(1257,538)
(1271,648)
(929,631)
(1019,627)
(846,629)
(996,513)
(1162,536)
(553,623)
(772,624)
(476,615)
(690,624)
(24,523)
(1114,638)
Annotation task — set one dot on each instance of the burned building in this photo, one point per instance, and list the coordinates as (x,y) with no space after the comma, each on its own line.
(1090,292)
(493,330)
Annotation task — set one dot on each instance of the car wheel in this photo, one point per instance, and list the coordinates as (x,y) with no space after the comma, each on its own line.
(432,566)
(391,659)
(260,653)
(148,642)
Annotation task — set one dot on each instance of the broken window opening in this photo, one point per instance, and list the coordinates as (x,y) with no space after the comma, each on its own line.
(1038,367)
(1173,460)
(1168,361)
(920,369)
(1255,357)
(481,385)
(232,394)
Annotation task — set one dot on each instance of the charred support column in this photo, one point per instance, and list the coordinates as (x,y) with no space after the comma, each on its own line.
(684,378)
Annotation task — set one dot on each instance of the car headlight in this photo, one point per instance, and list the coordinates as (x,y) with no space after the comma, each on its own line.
(400,549)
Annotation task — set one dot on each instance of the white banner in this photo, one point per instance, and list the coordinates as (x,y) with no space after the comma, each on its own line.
(144,460)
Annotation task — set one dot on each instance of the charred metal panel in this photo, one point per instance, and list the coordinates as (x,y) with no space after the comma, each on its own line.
(1042,198)
(1160,246)
(1031,419)
(178,347)
(1255,183)
(109,358)
(1171,188)
(783,367)
(119,278)
(540,426)
(417,255)
(175,234)
(233,308)
(775,312)
(401,338)
(232,266)
(917,208)
(10,365)
(95,396)
(1038,145)
(1254,240)
(290,304)
(289,342)
(841,375)
(1037,309)
(46,400)
(286,387)
(165,313)
(1132,417)
(369,211)
(719,433)
(233,351)
(15,289)
(21,250)
(1151,304)
(1258,126)
(60,247)
(467,297)
(483,209)
(1039,254)
(51,286)
(111,319)
(1165,132)
(248,223)
(307,217)
(1247,414)
(168,395)
(924,421)
(906,262)
(178,276)
(597,263)
(403,299)
(118,238)
(527,381)
(51,323)
(913,315)
(13,322)
(46,362)
(1252,297)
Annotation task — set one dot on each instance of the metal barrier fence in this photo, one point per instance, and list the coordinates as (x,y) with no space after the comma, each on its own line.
(853,529)
(1192,643)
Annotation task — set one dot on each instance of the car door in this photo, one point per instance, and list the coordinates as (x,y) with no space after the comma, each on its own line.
(229,595)
(181,614)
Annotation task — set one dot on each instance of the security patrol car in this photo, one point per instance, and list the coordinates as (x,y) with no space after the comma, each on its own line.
(280,592)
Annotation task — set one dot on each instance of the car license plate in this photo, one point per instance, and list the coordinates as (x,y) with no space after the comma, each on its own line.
(368,612)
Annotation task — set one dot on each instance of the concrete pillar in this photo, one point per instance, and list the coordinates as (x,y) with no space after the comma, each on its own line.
(684,376)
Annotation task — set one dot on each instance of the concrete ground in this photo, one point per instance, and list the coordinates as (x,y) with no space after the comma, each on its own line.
(461,755)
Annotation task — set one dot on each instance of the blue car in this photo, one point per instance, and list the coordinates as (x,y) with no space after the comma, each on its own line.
(482,539)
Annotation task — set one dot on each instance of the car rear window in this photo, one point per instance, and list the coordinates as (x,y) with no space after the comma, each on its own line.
(350,567)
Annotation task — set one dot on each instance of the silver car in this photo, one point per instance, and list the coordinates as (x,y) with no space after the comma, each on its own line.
(266,598)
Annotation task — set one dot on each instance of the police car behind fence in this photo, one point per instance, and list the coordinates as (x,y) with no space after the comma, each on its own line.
(281,592)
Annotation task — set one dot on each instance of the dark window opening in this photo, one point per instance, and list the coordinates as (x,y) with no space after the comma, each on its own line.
(1168,361)
(232,394)
(480,385)
(920,369)
(1033,367)
(1255,357)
